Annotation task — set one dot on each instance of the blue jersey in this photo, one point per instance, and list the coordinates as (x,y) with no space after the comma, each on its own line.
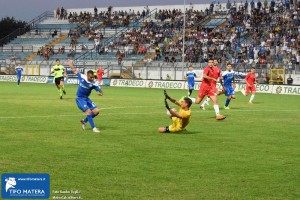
(19,70)
(191,77)
(85,87)
(227,78)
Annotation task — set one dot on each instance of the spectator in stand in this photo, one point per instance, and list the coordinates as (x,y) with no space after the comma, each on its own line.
(57,13)
(62,10)
(290,80)
(120,60)
(252,4)
(54,33)
(97,45)
(95,11)
(168,77)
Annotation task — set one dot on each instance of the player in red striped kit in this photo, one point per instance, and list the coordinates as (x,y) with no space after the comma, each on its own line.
(207,89)
(250,85)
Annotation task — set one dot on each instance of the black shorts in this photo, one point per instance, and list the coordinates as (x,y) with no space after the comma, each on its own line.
(57,80)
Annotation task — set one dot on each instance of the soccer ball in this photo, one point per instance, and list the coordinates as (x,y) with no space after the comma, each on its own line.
(168,112)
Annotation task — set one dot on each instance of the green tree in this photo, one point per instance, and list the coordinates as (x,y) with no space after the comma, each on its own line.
(9,24)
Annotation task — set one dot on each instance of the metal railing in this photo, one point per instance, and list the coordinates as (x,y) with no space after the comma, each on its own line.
(154,70)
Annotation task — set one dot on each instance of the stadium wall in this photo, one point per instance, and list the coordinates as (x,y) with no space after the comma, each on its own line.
(160,84)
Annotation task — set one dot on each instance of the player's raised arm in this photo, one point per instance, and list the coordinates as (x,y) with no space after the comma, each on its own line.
(65,71)
(70,63)
(171,99)
(172,111)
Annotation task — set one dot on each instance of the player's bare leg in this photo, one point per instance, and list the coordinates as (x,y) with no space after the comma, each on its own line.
(197,100)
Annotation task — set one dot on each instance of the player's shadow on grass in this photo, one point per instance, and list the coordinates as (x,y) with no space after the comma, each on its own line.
(233,108)
(186,133)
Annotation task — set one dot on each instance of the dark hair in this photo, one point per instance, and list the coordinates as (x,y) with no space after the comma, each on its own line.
(90,72)
(188,101)
(252,67)
(57,60)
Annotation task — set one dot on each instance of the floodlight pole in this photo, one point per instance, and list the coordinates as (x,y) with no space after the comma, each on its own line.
(183,41)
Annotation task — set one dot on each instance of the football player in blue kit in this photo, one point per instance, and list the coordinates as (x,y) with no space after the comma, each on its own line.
(86,84)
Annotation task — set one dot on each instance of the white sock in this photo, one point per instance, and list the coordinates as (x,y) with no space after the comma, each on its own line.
(203,104)
(252,97)
(243,92)
(217,110)
(207,100)
(193,99)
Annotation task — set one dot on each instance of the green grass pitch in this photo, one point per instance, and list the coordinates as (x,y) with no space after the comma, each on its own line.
(253,154)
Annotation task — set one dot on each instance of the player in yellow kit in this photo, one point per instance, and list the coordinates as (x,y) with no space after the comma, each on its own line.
(59,72)
(180,119)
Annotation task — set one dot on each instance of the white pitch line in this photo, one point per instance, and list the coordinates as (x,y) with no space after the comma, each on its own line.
(147,113)
(110,108)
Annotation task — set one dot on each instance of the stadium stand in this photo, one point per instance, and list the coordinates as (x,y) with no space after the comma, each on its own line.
(265,35)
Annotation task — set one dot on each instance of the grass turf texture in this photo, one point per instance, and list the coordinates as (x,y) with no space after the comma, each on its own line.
(253,154)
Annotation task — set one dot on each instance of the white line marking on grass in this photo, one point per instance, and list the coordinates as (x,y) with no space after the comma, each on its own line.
(110,108)
(75,115)
(104,114)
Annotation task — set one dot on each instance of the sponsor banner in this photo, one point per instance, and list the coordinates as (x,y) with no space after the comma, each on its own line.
(165,84)
(106,82)
(8,78)
(50,79)
(25,186)
(35,79)
(74,81)
(27,79)
(261,88)
(196,86)
(286,89)
(128,83)
(71,73)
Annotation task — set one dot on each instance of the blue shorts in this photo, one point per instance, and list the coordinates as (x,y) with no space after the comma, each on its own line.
(19,77)
(191,86)
(229,91)
(85,103)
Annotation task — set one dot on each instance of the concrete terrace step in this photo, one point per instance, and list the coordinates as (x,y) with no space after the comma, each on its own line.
(55,21)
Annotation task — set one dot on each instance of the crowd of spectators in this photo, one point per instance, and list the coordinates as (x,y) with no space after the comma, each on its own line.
(255,33)
(45,52)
